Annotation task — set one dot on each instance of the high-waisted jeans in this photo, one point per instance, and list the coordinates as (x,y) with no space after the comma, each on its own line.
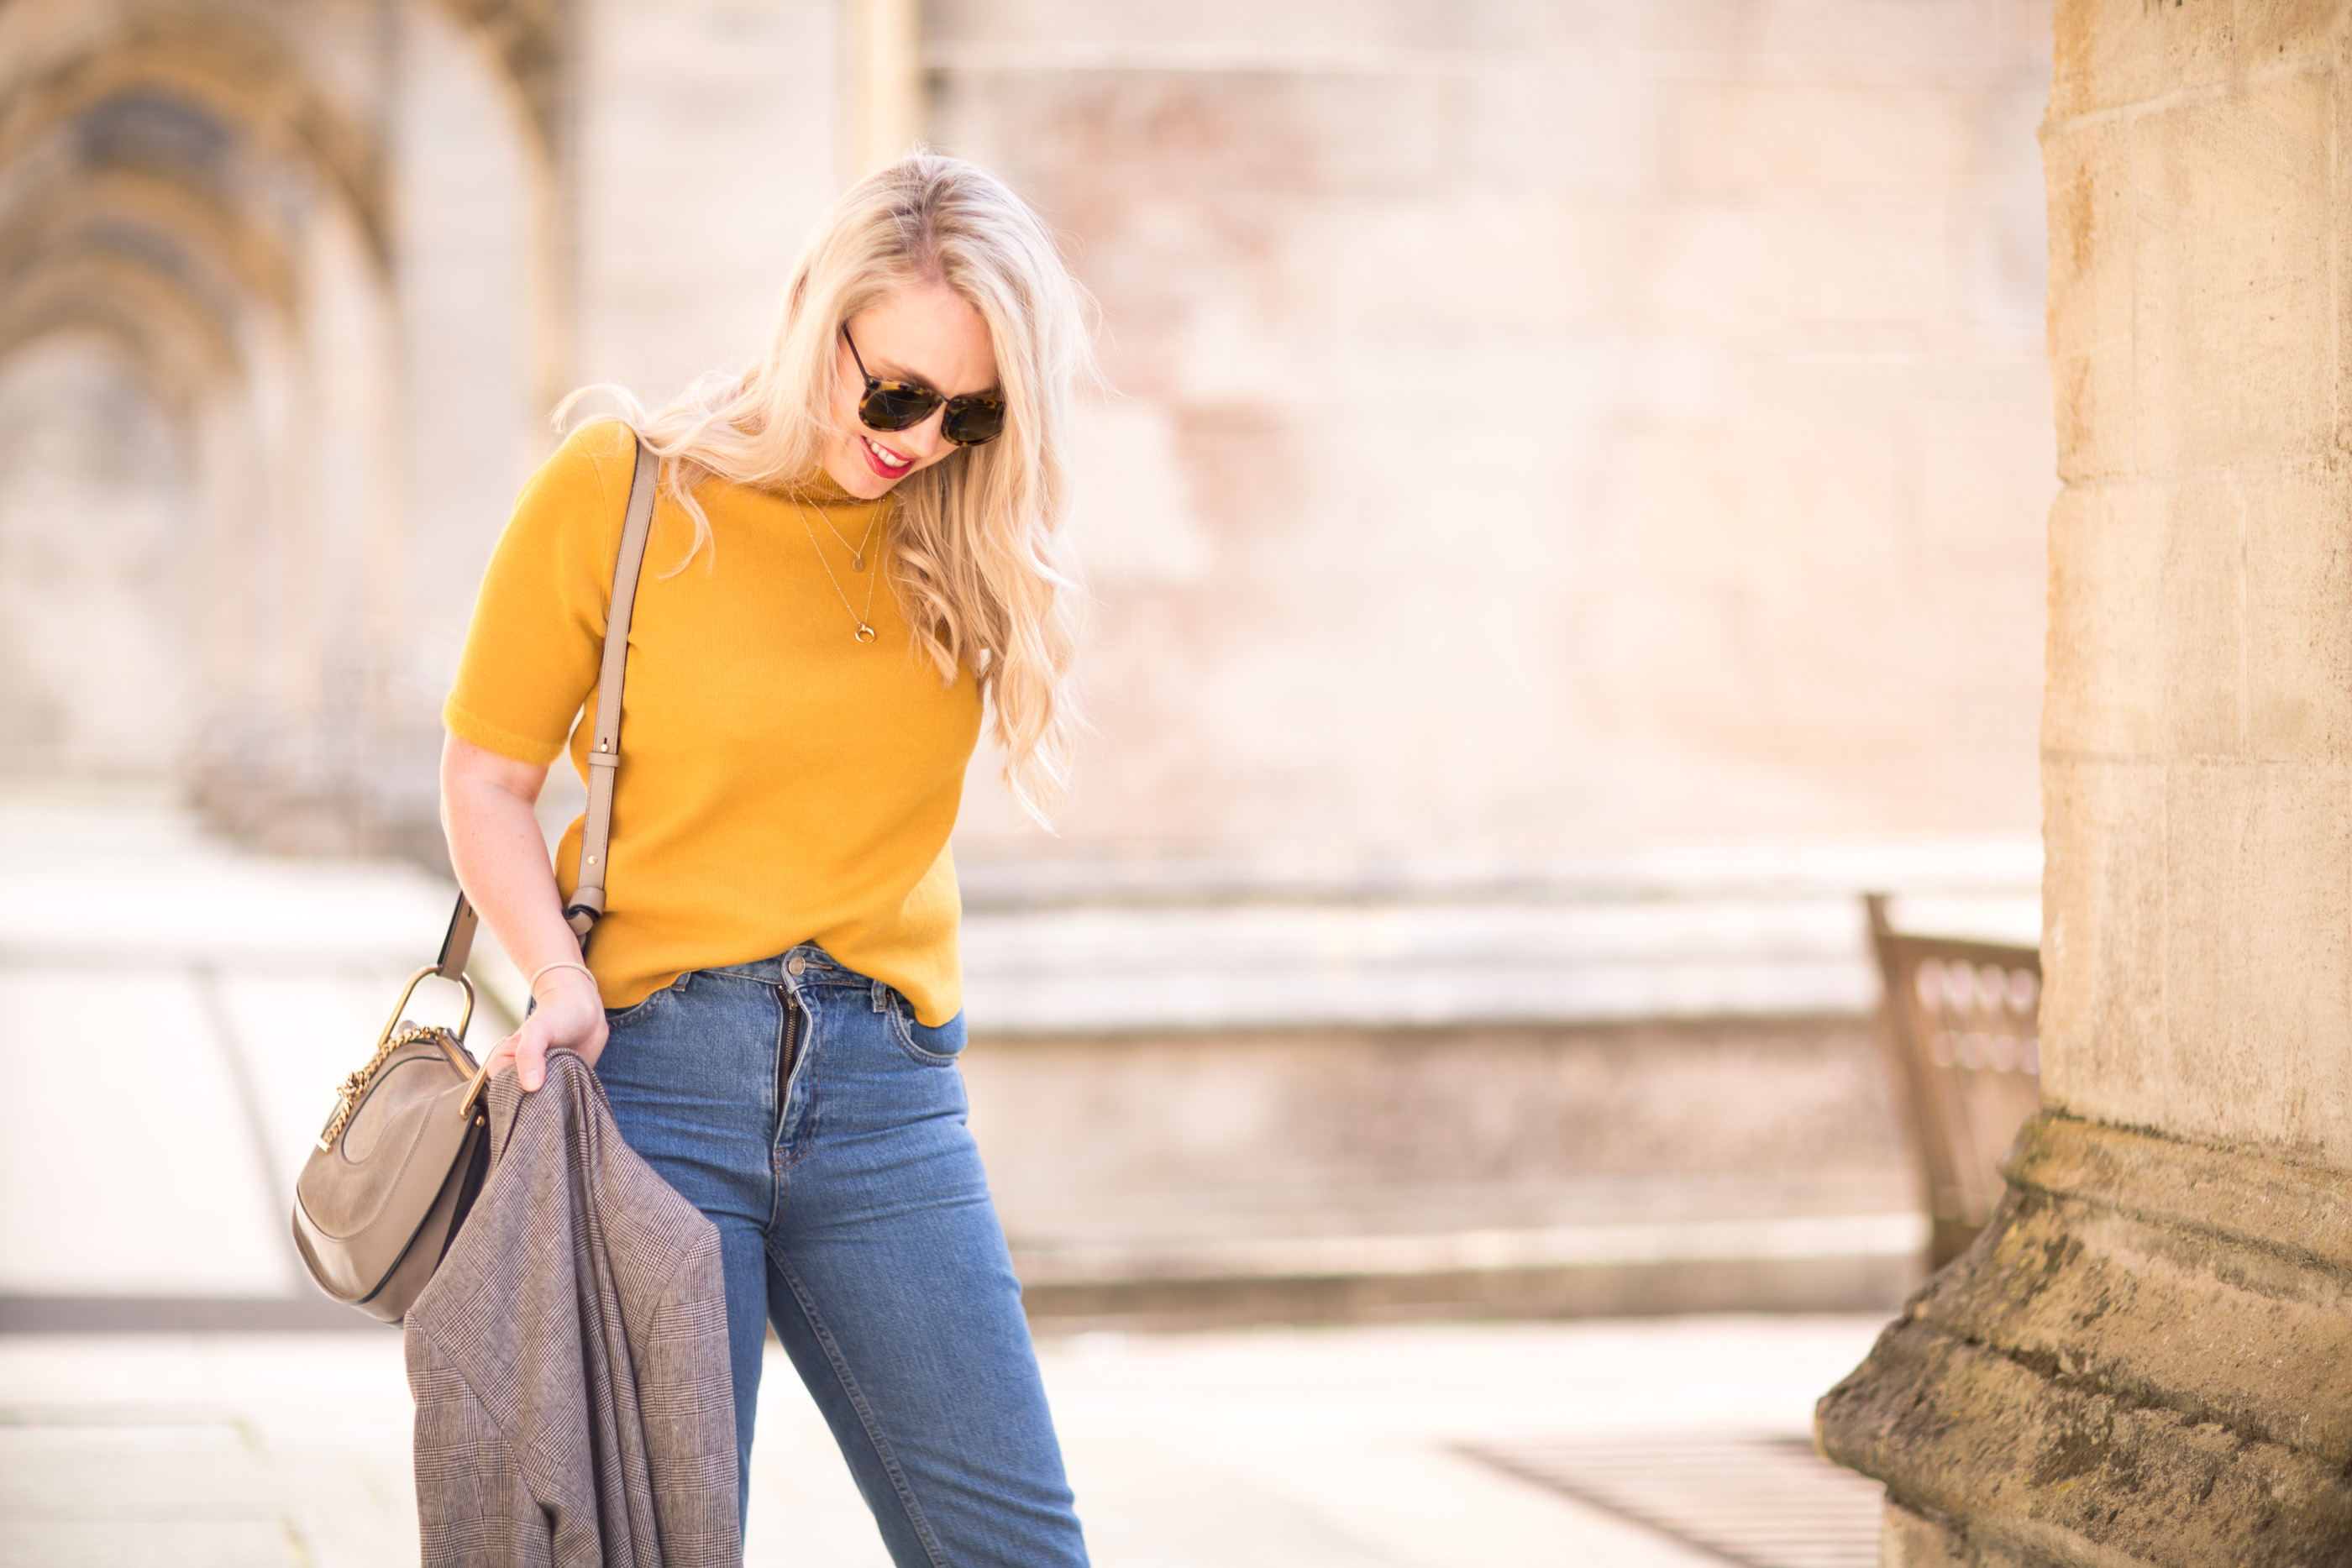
(801,1107)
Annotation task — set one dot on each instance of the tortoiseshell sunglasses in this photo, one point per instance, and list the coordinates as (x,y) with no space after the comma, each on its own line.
(974,419)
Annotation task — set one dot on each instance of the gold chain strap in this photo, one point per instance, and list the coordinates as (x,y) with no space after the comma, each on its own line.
(398,1032)
(354,1088)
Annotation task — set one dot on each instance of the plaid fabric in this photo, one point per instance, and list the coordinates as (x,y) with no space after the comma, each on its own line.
(569,1360)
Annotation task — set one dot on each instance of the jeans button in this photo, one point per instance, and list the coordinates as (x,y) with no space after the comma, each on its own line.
(796,963)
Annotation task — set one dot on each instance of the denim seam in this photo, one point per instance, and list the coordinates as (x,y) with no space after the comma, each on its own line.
(637,1009)
(898,1014)
(840,1364)
(737,976)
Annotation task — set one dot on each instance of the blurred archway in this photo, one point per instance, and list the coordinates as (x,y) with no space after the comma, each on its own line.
(225,234)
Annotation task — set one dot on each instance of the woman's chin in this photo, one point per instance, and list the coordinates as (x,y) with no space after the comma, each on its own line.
(848,470)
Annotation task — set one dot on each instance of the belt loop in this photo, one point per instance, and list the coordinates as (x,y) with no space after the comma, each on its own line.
(881,998)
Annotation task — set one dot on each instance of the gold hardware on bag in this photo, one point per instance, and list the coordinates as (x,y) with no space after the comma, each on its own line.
(395,1036)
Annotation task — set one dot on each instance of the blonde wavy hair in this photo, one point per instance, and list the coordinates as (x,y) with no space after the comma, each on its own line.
(976,536)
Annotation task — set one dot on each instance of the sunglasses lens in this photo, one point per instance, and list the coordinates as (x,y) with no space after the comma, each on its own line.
(897,408)
(975,423)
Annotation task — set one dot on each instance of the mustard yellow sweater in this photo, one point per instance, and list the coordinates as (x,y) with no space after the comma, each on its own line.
(779,782)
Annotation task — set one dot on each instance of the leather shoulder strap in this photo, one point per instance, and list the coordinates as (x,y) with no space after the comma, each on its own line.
(459,944)
(605,742)
(587,903)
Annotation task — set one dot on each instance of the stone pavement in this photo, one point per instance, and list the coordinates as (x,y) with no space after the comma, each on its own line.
(1260,1448)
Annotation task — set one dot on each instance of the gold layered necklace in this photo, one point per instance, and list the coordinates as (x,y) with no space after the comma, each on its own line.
(856,551)
(865,631)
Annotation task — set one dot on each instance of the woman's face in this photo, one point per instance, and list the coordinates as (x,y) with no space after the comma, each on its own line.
(925,333)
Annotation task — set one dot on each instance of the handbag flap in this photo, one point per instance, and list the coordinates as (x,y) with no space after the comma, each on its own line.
(361,1200)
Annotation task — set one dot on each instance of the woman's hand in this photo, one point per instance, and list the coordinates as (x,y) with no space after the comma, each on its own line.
(569,1014)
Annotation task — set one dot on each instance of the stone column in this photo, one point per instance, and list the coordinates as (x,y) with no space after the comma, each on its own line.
(886,83)
(2148,1357)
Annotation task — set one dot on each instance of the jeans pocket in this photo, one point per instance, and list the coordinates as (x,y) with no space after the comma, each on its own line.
(623,1017)
(933,1047)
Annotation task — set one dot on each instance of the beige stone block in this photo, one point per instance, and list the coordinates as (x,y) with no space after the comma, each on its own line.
(2088,172)
(2275,30)
(1688,659)
(2235,321)
(2257,890)
(2103,938)
(1983,705)
(1913,32)
(1834,673)
(2106,569)
(2204,619)
(1760,138)
(681,257)
(1984,505)
(2200,614)
(2090,396)
(2004,270)
(2025,30)
(2298,642)
(1791,510)
(2110,53)
(1606,139)
(1911,1540)
(1742,270)
(1390,268)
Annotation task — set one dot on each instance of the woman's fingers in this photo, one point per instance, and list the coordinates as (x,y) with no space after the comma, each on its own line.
(530,1059)
(500,1054)
(548,1028)
(526,1052)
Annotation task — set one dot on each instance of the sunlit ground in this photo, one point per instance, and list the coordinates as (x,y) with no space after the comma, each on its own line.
(1263,1449)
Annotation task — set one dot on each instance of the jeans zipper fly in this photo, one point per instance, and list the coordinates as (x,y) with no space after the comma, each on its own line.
(787,1054)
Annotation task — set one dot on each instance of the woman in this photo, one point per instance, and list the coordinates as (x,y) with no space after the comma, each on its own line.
(852,557)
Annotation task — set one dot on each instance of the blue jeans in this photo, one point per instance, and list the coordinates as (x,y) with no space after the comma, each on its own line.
(801,1107)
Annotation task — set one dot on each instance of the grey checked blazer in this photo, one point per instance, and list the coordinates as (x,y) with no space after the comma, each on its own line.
(569,1359)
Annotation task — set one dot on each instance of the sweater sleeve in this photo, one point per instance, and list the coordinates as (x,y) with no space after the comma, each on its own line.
(538,633)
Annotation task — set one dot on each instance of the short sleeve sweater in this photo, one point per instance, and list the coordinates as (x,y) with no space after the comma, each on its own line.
(780,781)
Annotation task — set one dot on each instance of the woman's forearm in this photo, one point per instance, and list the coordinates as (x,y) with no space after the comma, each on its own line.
(502,863)
(498,854)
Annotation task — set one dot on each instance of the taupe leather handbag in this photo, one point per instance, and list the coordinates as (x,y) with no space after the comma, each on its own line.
(404,1153)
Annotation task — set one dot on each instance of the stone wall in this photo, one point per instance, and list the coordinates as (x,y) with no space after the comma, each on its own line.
(1542,426)
(1534,428)
(1254,1176)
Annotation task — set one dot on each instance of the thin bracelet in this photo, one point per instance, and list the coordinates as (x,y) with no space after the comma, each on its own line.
(560,964)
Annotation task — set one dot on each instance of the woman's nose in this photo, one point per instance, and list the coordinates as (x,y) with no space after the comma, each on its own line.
(927,437)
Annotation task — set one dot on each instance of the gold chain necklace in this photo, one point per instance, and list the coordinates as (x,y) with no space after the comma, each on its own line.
(865,633)
(856,551)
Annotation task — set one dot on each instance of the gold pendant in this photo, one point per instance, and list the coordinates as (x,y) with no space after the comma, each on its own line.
(864,633)
(857,563)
